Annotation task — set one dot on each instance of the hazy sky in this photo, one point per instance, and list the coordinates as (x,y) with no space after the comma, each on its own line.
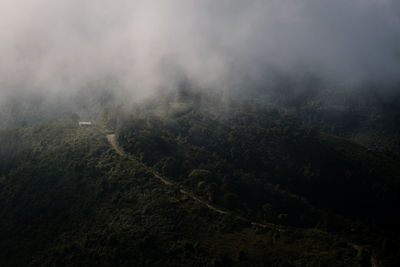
(64,45)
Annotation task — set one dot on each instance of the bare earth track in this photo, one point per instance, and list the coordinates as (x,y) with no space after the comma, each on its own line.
(113,142)
(280,228)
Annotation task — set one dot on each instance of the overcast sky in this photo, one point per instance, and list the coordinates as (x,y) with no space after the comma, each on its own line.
(64,45)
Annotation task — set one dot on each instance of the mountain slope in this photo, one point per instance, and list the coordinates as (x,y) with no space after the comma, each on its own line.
(265,165)
(66,198)
(245,148)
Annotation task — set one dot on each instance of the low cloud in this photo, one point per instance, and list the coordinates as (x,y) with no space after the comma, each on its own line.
(59,47)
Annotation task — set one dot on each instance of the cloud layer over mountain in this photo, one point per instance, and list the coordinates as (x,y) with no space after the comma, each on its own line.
(63,46)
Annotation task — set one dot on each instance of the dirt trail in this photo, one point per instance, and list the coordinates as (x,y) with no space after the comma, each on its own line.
(165,181)
(218,210)
(211,207)
(280,228)
(113,142)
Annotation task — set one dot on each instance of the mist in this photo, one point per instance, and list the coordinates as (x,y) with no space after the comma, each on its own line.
(57,49)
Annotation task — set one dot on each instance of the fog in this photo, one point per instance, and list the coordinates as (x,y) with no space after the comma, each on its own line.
(59,48)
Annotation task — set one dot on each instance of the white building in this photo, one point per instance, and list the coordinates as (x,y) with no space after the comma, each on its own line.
(85,123)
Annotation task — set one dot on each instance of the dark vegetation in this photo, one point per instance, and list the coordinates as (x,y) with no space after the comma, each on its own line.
(66,197)
(245,150)
(369,116)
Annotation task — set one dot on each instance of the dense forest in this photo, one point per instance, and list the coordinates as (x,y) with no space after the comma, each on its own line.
(200,133)
(248,184)
(369,116)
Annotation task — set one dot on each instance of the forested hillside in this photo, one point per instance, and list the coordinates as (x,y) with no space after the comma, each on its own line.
(67,198)
(266,165)
(369,116)
(240,149)
(200,133)
(290,194)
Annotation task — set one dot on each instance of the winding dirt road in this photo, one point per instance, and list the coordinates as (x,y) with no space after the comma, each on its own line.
(280,228)
(113,142)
